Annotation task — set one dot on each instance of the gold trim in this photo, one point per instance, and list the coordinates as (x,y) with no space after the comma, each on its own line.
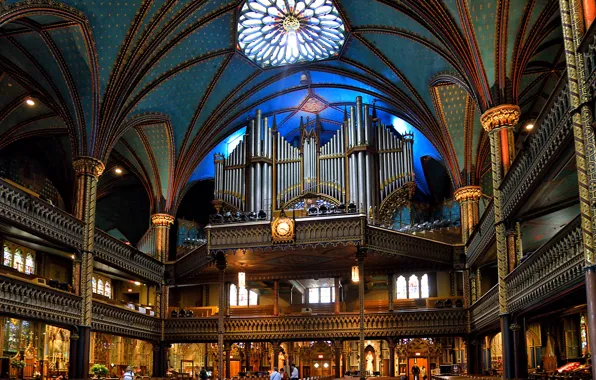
(88,165)
(163,220)
(503,116)
(468,193)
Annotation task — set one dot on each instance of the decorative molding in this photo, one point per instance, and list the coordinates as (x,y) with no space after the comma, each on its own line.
(162,220)
(503,116)
(120,321)
(31,301)
(85,165)
(342,326)
(393,201)
(485,311)
(468,193)
(483,236)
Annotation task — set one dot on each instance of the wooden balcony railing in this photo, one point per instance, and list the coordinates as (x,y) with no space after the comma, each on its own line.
(555,267)
(483,235)
(30,300)
(402,323)
(189,266)
(392,242)
(485,311)
(122,321)
(33,215)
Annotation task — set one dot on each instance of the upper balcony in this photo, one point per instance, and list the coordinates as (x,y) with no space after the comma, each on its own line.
(120,320)
(38,219)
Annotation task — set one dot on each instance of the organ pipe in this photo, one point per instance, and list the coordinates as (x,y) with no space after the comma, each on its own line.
(363,162)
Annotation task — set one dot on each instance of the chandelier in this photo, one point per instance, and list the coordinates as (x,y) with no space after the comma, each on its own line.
(282,32)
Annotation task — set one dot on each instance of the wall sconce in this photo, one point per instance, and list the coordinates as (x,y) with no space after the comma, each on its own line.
(355,274)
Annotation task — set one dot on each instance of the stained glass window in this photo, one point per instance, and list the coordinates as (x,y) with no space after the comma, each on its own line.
(100,287)
(233,295)
(18,261)
(7,259)
(29,264)
(282,32)
(414,287)
(402,288)
(253,298)
(424,291)
(242,297)
(108,287)
(584,334)
(94,285)
(325,295)
(313,295)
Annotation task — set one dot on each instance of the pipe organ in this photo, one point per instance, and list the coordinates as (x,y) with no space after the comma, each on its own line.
(363,163)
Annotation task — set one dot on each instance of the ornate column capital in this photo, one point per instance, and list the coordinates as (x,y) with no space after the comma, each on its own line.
(468,193)
(88,165)
(503,116)
(162,220)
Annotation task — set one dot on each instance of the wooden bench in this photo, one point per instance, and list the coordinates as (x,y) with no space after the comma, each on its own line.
(251,311)
(197,312)
(431,302)
(317,308)
(379,306)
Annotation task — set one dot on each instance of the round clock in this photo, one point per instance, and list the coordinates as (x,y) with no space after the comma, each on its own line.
(283,228)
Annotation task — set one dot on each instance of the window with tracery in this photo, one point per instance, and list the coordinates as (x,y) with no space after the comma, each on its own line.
(7,257)
(321,295)
(100,287)
(313,295)
(414,287)
(402,288)
(94,284)
(29,264)
(108,289)
(18,260)
(243,296)
(424,290)
(282,32)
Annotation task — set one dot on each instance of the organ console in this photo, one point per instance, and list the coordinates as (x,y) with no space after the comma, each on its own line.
(363,163)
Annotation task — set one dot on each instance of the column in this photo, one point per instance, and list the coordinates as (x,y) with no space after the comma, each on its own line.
(220,263)
(247,356)
(275,347)
(391,345)
(520,348)
(161,224)
(468,198)
(580,100)
(390,290)
(478,283)
(466,286)
(276,298)
(87,171)
(337,346)
(228,350)
(227,306)
(473,293)
(511,249)
(493,121)
(473,356)
(360,255)
(337,296)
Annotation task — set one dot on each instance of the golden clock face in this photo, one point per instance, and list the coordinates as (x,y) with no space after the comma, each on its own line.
(283,229)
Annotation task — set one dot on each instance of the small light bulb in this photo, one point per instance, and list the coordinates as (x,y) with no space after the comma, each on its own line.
(137,283)
(130,290)
(529,126)
(30,102)
(118,171)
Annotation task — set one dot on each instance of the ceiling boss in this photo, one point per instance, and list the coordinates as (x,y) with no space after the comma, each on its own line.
(282,32)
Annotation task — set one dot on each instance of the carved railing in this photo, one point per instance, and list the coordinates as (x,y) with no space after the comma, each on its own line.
(552,131)
(402,323)
(483,235)
(588,48)
(114,252)
(310,232)
(485,311)
(391,242)
(30,213)
(121,321)
(190,265)
(557,266)
(146,243)
(28,300)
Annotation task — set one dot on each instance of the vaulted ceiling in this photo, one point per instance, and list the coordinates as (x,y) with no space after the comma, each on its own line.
(155,85)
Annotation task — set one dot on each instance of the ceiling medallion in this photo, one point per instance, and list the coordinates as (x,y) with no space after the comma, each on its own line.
(283,32)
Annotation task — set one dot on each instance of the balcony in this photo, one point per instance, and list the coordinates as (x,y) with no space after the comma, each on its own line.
(485,311)
(188,267)
(556,267)
(29,299)
(483,235)
(120,320)
(340,326)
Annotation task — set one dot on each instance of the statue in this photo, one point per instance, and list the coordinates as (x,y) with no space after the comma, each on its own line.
(369,363)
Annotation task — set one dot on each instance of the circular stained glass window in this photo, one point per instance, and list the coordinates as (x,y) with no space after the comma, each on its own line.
(282,32)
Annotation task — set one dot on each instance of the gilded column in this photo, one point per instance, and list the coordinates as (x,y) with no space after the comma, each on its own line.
(360,259)
(493,121)
(337,296)
(275,347)
(511,249)
(220,262)
(473,293)
(585,148)
(337,346)
(87,171)
(468,198)
(467,295)
(478,283)
(162,223)
(391,344)
(518,242)
(390,291)
(228,350)
(276,297)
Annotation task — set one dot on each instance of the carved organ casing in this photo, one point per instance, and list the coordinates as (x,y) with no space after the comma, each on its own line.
(363,163)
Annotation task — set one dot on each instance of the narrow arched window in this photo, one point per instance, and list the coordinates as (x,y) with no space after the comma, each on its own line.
(18,261)
(30,264)
(94,284)
(414,287)
(100,287)
(108,287)
(7,258)
(401,288)
(242,297)
(233,295)
(424,290)
(253,298)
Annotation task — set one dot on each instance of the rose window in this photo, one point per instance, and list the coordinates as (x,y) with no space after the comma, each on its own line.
(282,32)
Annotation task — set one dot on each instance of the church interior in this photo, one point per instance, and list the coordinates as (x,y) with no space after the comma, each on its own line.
(221,189)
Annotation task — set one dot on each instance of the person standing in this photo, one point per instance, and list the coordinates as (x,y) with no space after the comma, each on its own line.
(293,372)
(203,374)
(128,374)
(275,375)
(283,374)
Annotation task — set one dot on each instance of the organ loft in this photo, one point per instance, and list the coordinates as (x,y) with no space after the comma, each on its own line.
(297,190)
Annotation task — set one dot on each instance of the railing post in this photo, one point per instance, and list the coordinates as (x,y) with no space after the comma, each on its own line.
(87,170)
